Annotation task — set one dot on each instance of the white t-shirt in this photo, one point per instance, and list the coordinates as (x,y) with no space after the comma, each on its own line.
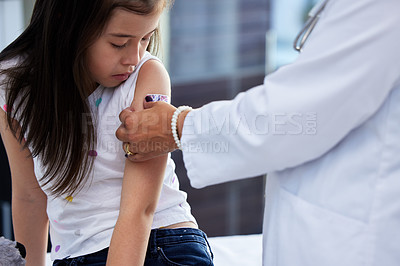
(84,223)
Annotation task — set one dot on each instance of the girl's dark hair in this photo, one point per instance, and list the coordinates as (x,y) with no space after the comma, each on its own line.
(48,88)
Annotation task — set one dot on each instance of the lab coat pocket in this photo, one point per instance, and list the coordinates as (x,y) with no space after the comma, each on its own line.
(311,235)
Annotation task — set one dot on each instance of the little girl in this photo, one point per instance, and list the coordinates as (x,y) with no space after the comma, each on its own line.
(63,82)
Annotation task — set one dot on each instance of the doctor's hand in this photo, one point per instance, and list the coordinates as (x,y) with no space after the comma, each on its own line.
(147,134)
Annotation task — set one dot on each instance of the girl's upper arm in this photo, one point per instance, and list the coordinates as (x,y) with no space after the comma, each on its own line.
(20,162)
(153,79)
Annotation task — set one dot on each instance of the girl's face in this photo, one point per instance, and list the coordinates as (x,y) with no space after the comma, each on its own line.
(113,57)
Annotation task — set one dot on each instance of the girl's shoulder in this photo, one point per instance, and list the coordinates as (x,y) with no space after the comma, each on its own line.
(153,74)
(133,77)
(128,87)
(153,79)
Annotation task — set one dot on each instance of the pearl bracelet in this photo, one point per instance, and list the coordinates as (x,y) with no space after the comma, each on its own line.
(174,121)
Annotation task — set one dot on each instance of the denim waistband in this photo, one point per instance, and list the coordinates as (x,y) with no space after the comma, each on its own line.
(160,237)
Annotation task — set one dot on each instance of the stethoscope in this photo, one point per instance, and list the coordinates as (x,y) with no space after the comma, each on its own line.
(312,20)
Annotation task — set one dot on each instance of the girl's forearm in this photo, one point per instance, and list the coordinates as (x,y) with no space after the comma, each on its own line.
(129,240)
(140,193)
(31,229)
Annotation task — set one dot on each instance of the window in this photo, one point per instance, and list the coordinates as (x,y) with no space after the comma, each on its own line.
(216,39)
(11,21)
(217,49)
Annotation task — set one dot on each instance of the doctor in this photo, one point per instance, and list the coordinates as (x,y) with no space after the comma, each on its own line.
(326,129)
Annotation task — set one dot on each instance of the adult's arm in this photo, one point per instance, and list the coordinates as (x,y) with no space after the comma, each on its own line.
(346,70)
(142,183)
(29,202)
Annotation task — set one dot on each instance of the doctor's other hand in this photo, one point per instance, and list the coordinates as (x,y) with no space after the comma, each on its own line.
(147,134)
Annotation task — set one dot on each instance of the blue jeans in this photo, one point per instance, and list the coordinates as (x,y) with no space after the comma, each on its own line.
(181,246)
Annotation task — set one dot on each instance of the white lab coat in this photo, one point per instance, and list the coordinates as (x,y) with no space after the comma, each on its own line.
(326,129)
